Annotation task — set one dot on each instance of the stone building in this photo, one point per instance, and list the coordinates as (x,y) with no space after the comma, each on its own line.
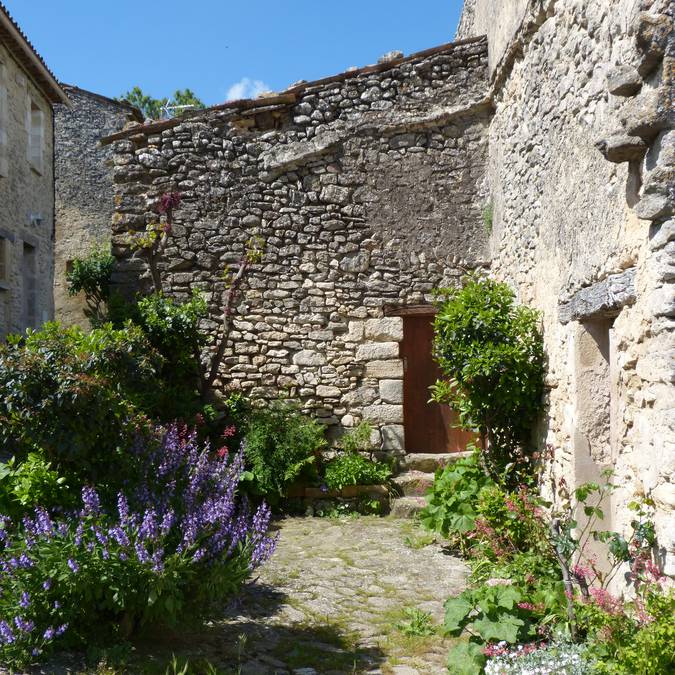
(28,90)
(84,187)
(368,188)
(581,179)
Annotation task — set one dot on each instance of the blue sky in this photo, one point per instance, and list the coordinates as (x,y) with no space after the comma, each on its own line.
(108,46)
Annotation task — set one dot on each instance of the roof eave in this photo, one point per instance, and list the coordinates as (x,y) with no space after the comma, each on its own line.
(46,82)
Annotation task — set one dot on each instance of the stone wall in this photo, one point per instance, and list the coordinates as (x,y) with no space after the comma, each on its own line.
(84,185)
(366,188)
(26,204)
(580,170)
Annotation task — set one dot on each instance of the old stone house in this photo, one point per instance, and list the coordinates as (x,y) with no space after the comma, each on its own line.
(28,90)
(84,187)
(368,188)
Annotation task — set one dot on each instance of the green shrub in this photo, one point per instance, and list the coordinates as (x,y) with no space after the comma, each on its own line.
(172,328)
(633,639)
(76,397)
(91,275)
(175,543)
(358,439)
(350,468)
(281,444)
(33,482)
(492,357)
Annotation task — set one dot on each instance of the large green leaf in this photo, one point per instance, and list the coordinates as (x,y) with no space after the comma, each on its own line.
(504,627)
(466,658)
(456,612)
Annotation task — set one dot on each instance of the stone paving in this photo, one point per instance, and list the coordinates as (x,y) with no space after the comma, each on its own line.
(331,602)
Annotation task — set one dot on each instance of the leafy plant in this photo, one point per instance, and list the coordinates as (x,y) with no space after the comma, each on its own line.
(178,541)
(33,482)
(491,354)
(91,275)
(358,439)
(75,397)
(454,497)
(417,623)
(280,445)
(350,468)
(638,637)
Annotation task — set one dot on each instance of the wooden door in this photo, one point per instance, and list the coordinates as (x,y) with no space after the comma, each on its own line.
(429,427)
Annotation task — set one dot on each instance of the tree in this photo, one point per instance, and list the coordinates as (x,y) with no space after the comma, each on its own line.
(491,353)
(153,108)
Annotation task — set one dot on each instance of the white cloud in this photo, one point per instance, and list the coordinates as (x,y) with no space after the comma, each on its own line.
(246,88)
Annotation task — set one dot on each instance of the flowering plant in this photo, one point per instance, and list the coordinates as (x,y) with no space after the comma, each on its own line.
(177,542)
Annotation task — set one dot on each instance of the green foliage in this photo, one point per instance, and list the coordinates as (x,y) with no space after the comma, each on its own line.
(33,482)
(453,498)
(350,468)
(466,658)
(638,639)
(491,354)
(281,444)
(417,623)
(172,328)
(152,107)
(76,397)
(358,438)
(91,275)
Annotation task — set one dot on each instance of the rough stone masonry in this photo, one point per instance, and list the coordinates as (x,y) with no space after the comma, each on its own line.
(366,189)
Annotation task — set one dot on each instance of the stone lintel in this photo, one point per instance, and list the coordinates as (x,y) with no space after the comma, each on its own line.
(603,298)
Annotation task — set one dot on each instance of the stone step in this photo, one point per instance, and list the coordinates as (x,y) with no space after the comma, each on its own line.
(406,507)
(413,483)
(429,462)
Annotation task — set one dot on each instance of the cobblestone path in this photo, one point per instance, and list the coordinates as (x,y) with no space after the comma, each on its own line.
(331,601)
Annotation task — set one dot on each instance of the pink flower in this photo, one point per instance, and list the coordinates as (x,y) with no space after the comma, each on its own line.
(222,452)
(606,601)
(527,605)
(229,431)
(581,572)
(169,201)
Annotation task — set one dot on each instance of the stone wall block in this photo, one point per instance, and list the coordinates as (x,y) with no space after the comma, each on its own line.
(385,369)
(385,330)
(361,396)
(652,32)
(391,391)
(308,357)
(624,81)
(374,351)
(383,414)
(393,437)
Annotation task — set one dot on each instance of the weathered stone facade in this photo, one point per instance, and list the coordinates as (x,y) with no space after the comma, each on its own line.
(27,92)
(365,188)
(587,238)
(84,185)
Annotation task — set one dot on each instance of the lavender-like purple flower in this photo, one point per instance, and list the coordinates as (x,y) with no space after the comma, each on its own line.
(25,625)
(92,504)
(6,633)
(73,565)
(25,600)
